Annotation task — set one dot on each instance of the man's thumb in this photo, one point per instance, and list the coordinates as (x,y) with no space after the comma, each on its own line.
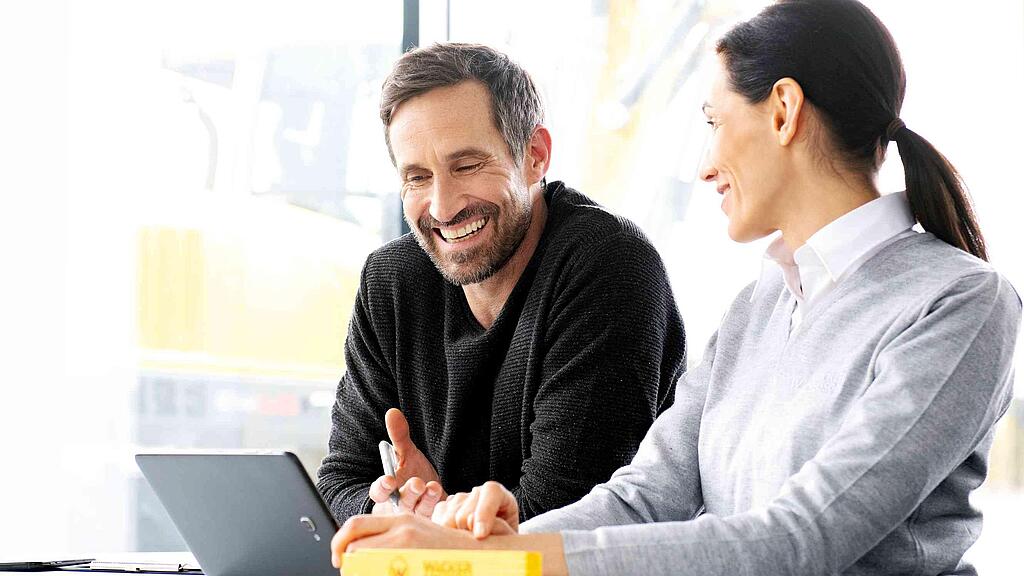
(398,431)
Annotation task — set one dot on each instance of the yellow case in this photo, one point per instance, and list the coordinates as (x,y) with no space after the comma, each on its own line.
(408,562)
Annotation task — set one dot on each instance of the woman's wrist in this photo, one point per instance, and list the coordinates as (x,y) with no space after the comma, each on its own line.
(549,545)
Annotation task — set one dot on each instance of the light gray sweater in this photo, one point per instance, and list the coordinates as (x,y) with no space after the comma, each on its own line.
(849,446)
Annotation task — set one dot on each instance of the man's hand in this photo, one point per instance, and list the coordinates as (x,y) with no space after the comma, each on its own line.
(486,510)
(418,483)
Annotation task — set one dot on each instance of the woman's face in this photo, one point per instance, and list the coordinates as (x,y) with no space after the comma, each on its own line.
(743,160)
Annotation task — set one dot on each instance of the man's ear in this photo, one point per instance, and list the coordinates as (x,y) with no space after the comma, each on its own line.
(786,106)
(537,159)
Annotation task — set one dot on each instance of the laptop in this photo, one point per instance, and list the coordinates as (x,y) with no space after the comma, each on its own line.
(245,513)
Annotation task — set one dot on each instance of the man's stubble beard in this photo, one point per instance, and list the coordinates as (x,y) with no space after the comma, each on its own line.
(510,228)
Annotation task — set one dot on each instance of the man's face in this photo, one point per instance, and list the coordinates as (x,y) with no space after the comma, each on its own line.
(463,195)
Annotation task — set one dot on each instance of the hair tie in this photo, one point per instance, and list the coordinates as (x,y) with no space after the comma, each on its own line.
(894,127)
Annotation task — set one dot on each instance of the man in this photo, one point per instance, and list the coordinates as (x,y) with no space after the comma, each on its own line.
(524,334)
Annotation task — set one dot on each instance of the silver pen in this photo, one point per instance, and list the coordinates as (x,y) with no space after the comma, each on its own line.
(390,461)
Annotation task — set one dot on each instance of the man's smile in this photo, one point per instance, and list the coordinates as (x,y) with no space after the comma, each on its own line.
(453,235)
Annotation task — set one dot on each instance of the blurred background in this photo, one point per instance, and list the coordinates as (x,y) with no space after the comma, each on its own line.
(188,190)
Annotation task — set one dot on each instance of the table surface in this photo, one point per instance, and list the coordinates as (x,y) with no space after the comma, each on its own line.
(155,557)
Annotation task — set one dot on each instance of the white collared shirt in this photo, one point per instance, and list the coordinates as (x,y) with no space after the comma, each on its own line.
(837,249)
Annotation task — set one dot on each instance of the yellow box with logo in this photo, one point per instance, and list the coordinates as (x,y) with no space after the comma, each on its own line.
(407,562)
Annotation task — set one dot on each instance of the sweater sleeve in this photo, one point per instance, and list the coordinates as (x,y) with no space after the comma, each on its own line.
(646,490)
(365,393)
(614,348)
(937,389)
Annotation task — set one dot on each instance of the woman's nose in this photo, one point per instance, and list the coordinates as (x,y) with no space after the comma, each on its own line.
(707,171)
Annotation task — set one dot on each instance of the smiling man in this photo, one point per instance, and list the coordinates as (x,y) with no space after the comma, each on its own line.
(520,333)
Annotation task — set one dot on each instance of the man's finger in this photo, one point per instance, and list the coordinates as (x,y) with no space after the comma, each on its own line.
(398,431)
(431,496)
(410,494)
(435,488)
(382,488)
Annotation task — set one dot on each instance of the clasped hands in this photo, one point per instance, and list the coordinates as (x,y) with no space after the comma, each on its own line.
(427,517)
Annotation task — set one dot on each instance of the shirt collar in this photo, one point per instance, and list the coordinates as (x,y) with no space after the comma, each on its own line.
(840,243)
(843,241)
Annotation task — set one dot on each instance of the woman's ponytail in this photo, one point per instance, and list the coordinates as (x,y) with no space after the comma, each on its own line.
(936,192)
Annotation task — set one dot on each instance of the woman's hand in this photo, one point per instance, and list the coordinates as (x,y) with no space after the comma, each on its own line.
(397,531)
(411,531)
(486,510)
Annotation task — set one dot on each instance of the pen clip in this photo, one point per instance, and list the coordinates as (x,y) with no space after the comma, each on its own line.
(389,460)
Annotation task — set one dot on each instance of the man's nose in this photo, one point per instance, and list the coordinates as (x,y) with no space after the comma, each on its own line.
(446,200)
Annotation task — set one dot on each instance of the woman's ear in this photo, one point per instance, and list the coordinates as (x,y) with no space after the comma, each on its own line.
(786,103)
(537,159)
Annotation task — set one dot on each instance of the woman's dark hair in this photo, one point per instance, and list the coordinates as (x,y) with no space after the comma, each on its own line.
(848,66)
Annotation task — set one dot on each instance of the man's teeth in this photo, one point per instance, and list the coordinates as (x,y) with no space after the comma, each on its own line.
(460,234)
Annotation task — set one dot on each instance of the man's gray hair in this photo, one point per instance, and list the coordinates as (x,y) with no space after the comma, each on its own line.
(516,107)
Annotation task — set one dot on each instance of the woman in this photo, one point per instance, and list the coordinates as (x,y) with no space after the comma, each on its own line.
(843,411)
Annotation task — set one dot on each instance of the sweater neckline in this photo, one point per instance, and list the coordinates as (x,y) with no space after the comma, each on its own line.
(853,280)
(472,327)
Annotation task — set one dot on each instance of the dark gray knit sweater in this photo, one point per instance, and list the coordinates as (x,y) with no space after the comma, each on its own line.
(549,400)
